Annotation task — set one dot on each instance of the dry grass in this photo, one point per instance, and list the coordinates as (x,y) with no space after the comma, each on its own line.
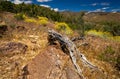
(96,46)
(35,37)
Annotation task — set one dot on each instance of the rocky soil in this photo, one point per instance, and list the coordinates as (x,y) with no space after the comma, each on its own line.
(26,54)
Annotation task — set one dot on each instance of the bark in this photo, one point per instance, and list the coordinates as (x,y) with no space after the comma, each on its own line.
(70,48)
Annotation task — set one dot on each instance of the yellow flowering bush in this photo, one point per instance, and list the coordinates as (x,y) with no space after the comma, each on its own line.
(39,20)
(103,34)
(20,16)
(63,27)
(32,20)
(98,33)
(116,38)
(42,20)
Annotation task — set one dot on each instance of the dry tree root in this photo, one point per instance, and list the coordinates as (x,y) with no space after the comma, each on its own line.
(70,48)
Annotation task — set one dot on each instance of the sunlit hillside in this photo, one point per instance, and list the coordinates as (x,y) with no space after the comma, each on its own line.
(26,53)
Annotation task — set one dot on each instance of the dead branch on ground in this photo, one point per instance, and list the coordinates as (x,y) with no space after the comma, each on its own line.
(70,48)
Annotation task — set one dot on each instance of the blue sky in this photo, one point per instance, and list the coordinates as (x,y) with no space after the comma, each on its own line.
(77,5)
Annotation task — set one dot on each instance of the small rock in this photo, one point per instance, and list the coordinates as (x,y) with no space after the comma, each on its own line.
(12,48)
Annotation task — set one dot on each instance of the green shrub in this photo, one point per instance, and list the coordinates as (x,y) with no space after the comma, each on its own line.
(118,63)
(108,55)
(111,56)
(89,26)
(112,27)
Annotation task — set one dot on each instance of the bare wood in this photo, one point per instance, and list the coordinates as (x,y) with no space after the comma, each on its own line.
(77,38)
(70,48)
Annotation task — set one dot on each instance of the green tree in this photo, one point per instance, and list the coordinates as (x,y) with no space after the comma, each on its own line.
(112,27)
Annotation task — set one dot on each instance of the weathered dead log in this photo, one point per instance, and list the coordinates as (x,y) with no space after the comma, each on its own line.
(77,38)
(70,48)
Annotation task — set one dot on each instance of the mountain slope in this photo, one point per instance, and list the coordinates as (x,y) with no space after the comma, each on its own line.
(38,57)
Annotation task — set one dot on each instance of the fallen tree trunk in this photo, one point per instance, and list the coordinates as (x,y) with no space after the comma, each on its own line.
(70,48)
(77,38)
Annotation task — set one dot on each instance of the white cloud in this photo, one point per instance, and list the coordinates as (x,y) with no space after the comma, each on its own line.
(17,1)
(105,4)
(94,4)
(102,4)
(56,9)
(104,8)
(27,2)
(21,1)
(99,10)
(63,10)
(44,0)
(45,5)
(115,10)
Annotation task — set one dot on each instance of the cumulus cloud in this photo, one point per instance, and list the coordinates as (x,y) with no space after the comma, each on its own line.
(21,1)
(44,0)
(56,9)
(45,5)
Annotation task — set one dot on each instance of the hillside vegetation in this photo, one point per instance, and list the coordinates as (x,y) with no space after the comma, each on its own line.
(108,22)
(80,20)
(31,10)
(24,44)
